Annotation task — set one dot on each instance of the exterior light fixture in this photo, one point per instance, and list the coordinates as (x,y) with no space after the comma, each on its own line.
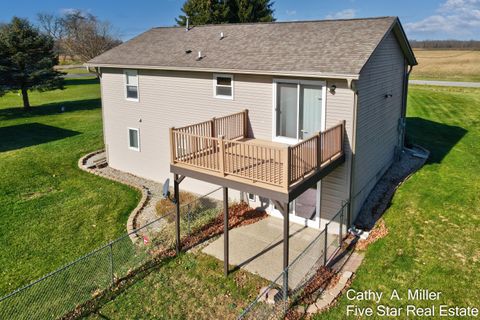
(333,88)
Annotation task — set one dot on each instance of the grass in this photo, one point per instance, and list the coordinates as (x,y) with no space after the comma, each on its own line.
(434,217)
(191,286)
(51,212)
(451,65)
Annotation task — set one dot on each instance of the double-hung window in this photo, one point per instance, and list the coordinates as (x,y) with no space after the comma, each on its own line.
(134,139)
(223,86)
(131,85)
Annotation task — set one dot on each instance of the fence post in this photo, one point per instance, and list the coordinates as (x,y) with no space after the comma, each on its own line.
(111,263)
(172,146)
(340,240)
(325,245)
(245,123)
(319,150)
(188,219)
(285,288)
(221,154)
(286,166)
(212,127)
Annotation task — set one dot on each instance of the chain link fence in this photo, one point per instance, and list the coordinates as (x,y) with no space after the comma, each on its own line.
(58,293)
(303,274)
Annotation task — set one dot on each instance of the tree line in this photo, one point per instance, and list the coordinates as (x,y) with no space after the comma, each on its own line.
(445,44)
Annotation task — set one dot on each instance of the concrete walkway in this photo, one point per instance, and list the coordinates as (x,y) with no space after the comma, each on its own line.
(258,248)
(446,83)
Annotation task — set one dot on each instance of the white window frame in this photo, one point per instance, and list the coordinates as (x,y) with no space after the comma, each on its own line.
(138,138)
(221,75)
(125,76)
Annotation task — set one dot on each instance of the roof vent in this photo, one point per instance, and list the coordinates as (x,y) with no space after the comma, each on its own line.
(199,56)
(187,26)
(221,35)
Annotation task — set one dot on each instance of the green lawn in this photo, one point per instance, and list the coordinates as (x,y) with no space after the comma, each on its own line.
(75,71)
(434,220)
(51,212)
(191,286)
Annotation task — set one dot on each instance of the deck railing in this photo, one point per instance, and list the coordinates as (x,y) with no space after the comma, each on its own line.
(304,157)
(214,145)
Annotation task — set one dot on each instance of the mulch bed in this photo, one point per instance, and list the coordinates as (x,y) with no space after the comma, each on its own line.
(324,278)
(379,231)
(239,215)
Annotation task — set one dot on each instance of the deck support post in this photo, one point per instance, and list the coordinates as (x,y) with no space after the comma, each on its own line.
(225,231)
(286,239)
(176,184)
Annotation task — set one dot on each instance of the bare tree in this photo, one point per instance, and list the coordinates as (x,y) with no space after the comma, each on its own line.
(79,34)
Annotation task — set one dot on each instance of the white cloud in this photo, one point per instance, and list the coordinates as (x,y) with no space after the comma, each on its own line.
(343,14)
(65,11)
(452,18)
(291,12)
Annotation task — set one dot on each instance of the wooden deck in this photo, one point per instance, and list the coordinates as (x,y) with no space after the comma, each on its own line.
(221,148)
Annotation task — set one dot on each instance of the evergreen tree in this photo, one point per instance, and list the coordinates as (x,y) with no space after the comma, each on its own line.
(27,59)
(204,12)
(225,11)
(252,10)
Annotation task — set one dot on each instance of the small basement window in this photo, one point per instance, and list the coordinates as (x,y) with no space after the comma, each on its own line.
(223,86)
(131,85)
(252,197)
(134,139)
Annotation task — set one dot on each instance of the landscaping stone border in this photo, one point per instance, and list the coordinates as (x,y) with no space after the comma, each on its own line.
(132,218)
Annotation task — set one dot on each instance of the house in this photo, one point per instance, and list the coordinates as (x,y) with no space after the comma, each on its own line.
(326,105)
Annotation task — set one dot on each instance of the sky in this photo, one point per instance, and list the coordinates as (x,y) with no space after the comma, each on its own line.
(422,19)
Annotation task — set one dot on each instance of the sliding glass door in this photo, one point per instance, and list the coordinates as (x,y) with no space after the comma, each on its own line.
(299,114)
(298,110)
(310,112)
(287,97)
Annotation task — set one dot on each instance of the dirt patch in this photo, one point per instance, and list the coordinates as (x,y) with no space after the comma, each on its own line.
(379,231)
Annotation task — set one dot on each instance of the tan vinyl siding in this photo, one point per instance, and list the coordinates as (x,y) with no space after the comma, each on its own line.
(170,98)
(174,98)
(335,186)
(377,116)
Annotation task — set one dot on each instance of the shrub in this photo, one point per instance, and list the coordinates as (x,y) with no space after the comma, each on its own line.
(188,203)
(167,207)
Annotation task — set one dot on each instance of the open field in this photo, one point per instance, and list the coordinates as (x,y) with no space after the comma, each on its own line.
(51,212)
(451,65)
(434,217)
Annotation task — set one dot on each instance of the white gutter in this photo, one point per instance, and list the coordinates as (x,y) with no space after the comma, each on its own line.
(349,77)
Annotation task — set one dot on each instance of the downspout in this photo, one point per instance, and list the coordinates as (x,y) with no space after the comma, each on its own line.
(352,86)
(98,71)
(408,70)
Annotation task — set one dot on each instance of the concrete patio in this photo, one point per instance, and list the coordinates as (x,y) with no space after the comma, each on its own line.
(258,248)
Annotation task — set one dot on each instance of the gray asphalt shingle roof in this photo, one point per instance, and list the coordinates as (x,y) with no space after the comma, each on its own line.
(315,47)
